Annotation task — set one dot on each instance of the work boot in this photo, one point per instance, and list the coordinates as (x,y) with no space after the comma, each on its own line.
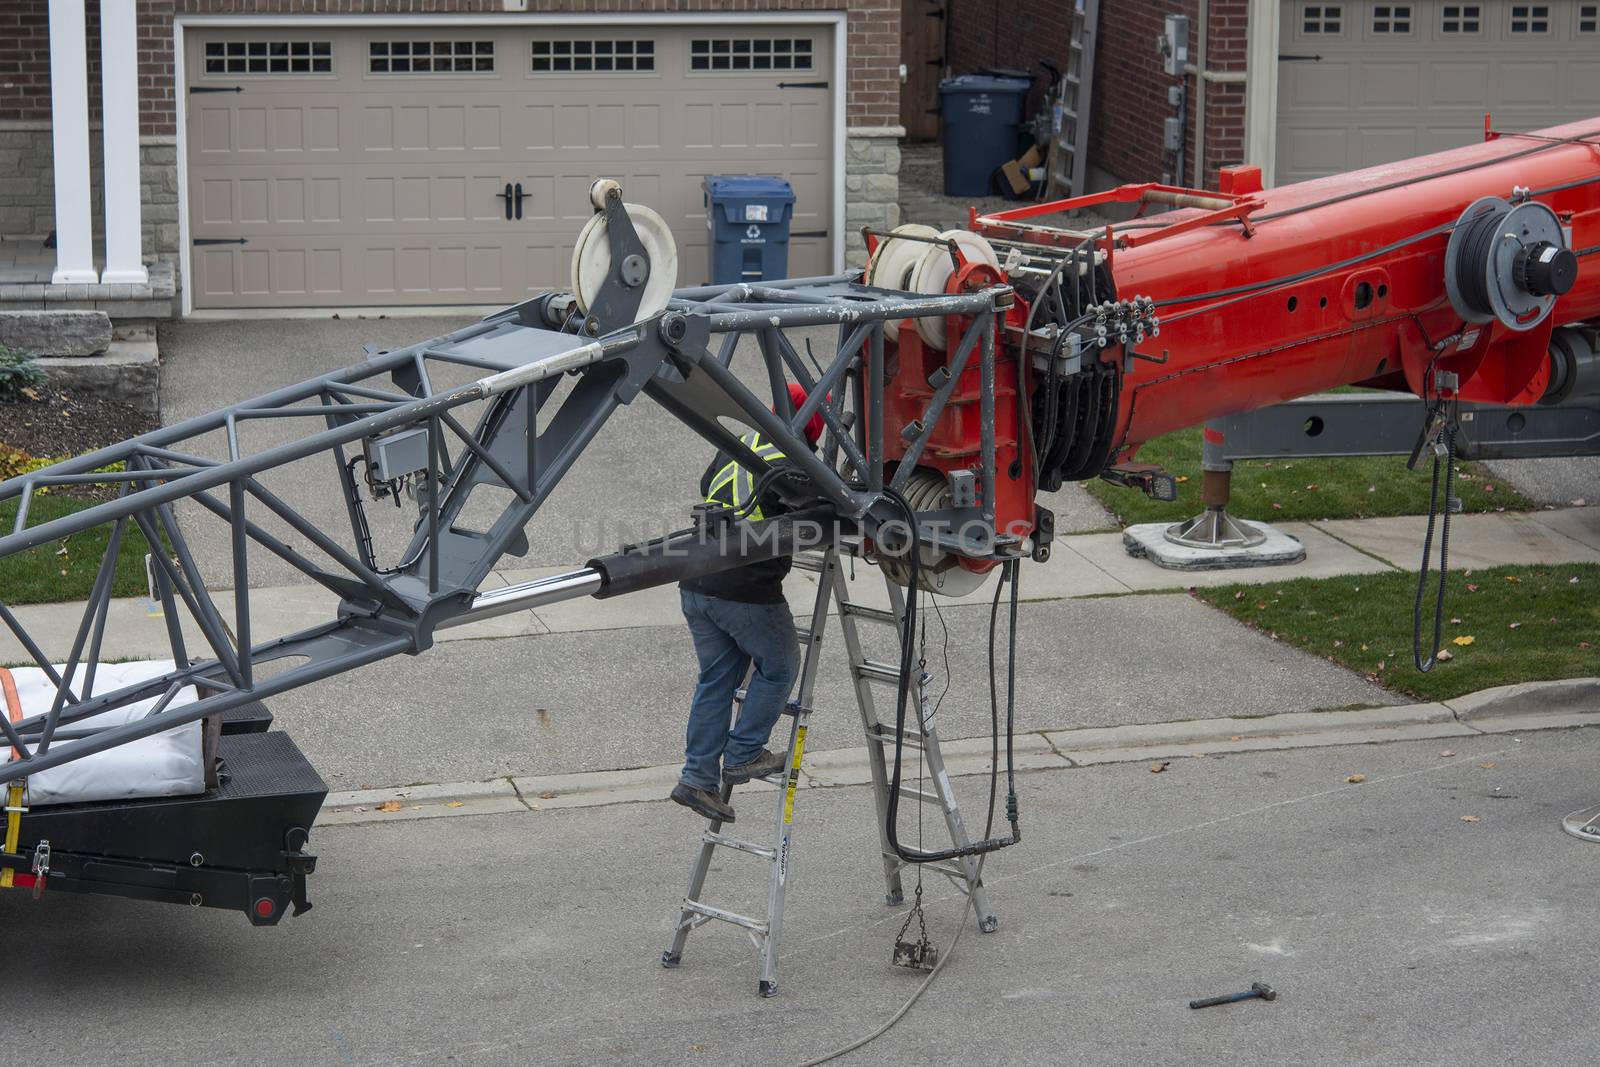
(767,762)
(702,802)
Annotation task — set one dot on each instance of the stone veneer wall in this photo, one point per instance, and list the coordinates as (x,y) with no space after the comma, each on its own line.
(871,185)
(27,188)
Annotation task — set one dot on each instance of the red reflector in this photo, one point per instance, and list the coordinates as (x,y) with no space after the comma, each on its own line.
(264,908)
(23,881)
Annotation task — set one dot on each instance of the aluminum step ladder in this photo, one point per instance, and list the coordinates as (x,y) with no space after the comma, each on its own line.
(832,589)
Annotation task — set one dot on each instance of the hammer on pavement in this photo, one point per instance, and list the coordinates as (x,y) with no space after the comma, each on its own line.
(1257,989)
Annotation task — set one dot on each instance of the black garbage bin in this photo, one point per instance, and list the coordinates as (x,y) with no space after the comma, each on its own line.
(982,115)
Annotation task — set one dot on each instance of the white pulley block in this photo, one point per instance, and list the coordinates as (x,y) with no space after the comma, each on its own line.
(933,275)
(893,264)
(591,258)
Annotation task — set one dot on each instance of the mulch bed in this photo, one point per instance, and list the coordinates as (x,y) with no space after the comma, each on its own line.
(62,423)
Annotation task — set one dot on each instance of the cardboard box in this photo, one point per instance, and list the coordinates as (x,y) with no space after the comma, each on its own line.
(1016,171)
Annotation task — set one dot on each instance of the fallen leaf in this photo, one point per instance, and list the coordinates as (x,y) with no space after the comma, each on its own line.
(551,795)
(1277,507)
(1584,644)
(1578,503)
(1372,489)
(1180,479)
(1469,818)
(1488,488)
(1336,643)
(1456,621)
(1444,655)
(456,804)
(1513,579)
(1488,765)
(1157,768)
(1312,487)
(1471,588)
(1236,737)
(1514,626)
(702,1048)
(1239,595)
(1447,753)
(33,394)
(1573,580)
(1464,639)
(390,805)
(1356,779)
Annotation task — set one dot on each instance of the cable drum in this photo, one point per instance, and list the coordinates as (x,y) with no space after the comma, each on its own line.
(1507,263)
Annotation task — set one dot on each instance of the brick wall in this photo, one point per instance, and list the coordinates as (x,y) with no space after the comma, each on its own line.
(1010,33)
(1130,93)
(873,45)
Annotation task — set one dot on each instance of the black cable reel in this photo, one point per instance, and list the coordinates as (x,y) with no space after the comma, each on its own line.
(1508,263)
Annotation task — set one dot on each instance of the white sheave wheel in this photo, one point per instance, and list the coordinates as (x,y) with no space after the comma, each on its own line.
(591,260)
(933,274)
(893,264)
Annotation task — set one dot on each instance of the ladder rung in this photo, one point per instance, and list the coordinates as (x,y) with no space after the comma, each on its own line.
(861,611)
(886,735)
(920,794)
(738,844)
(881,672)
(724,916)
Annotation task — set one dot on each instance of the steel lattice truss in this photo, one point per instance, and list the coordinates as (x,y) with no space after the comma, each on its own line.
(543,382)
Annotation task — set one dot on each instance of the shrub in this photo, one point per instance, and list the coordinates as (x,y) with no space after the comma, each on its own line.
(18,371)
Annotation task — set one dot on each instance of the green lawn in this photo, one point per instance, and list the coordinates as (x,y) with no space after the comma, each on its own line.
(1298,490)
(65,570)
(1525,624)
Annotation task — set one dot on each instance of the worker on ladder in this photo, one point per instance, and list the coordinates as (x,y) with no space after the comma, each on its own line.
(739,618)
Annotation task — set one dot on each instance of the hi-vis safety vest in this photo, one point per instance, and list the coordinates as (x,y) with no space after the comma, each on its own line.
(733,485)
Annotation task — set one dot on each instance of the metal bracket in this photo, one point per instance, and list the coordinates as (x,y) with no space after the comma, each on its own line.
(617,303)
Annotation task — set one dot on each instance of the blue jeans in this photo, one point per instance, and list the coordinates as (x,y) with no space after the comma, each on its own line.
(730,636)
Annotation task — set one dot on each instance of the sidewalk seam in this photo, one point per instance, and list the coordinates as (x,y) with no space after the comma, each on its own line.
(1317,524)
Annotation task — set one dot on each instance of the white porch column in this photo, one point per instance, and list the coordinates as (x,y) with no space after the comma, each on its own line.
(119,86)
(69,130)
(1261,89)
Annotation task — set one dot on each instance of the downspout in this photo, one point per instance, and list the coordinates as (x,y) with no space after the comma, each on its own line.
(1201,91)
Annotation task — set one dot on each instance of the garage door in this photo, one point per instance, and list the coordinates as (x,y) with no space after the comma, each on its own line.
(1362,83)
(348,167)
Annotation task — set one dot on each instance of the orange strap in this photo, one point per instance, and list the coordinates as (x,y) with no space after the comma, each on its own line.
(8,687)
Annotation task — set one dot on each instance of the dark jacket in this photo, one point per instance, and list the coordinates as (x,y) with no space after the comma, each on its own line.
(754,583)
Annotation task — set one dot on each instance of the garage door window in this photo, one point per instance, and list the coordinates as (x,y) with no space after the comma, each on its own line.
(269,57)
(1391,19)
(749,53)
(1460,18)
(430,57)
(1589,18)
(1322,19)
(1530,18)
(565,57)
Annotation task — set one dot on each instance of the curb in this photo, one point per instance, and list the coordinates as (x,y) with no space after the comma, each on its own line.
(1507,709)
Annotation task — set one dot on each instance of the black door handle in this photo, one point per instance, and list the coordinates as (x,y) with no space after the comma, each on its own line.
(519,200)
(509,198)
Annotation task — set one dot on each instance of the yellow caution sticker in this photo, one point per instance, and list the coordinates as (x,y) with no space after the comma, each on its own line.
(794,774)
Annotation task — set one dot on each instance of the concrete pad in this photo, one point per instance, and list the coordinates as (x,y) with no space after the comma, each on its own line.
(1476,541)
(1567,696)
(1148,540)
(1580,524)
(1325,556)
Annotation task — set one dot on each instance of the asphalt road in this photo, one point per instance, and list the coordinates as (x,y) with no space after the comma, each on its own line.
(1395,931)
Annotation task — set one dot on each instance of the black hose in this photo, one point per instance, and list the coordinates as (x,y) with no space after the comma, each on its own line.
(908,635)
(1425,664)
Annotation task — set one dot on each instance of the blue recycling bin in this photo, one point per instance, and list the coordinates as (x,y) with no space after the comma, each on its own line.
(982,116)
(749,217)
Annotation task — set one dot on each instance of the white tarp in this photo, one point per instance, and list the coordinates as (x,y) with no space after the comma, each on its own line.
(167,764)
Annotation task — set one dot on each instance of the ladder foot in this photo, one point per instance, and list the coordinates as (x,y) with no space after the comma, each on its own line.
(767,989)
(670,959)
(894,899)
(988,924)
